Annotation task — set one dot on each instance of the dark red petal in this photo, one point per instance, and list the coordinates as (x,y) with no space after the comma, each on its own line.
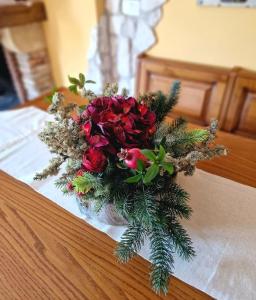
(143,109)
(98,141)
(87,127)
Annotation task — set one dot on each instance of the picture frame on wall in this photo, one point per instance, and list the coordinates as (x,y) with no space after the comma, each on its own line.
(228,3)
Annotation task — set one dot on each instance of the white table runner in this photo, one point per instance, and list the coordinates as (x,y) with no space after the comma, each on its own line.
(222,227)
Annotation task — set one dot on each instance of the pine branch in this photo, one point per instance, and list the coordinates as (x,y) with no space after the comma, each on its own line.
(61,183)
(158,105)
(174,202)
(181,240)
(131,242)
(145,207)
(161,258)
(173,96)
(162,104)
(180,142)
(166,129)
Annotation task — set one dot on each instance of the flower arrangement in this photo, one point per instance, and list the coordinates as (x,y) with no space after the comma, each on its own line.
(121,151)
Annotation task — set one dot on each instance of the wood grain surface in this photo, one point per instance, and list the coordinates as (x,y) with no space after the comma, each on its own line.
(47,253)
(21,14)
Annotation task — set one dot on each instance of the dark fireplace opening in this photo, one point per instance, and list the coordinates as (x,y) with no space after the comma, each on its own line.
(8,95)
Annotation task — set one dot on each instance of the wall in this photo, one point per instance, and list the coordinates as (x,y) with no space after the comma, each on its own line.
(68,34)
(210,35)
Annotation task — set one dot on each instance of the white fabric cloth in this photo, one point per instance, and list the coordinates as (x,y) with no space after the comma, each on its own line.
(222,226)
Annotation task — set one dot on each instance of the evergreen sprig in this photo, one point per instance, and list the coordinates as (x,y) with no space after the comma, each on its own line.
(161,258)
(131,242)
(163,104)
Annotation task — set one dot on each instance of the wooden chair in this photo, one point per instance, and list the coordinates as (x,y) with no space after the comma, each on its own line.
(207,92)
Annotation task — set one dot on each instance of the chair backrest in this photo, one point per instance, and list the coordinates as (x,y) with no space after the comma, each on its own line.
(207,92)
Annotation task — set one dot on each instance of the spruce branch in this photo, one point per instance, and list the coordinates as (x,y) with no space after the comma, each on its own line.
(174,202)
(161,258)
(181,240)
(145,207)
(131,242)
(160,103)
(173,96)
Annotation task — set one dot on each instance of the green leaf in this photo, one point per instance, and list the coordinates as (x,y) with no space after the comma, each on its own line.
(149,154)
(73,89)
(86,182)
(90,81)
(161,154)
(73,80)
(151,173)
(48,99)
(134,179)
(82,79)
(168,167)
(81,184)
(140,165)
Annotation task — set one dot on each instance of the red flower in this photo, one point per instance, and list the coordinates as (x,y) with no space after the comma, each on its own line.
(112,123)
(87,127)
(94,160)
(98,141)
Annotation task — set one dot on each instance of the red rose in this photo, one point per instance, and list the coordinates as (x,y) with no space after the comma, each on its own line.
(94,160)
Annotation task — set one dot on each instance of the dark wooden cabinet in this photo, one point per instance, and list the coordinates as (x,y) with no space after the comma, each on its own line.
(207,92)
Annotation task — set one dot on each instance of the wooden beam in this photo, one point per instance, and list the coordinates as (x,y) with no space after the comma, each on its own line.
(21,14)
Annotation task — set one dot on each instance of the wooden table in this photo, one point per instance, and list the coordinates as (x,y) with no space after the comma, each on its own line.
(47,253)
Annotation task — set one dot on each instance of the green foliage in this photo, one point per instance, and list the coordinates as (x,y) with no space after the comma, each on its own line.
(134,179)
(151,173)
(145,207)
(131,242)
(181,240)
(162,104)
(83,184)
(149,154)
(78,83)
(175,202)
(177,139)
(168,167)
(161,258)
(157,165)
(48,99)
(173,96)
